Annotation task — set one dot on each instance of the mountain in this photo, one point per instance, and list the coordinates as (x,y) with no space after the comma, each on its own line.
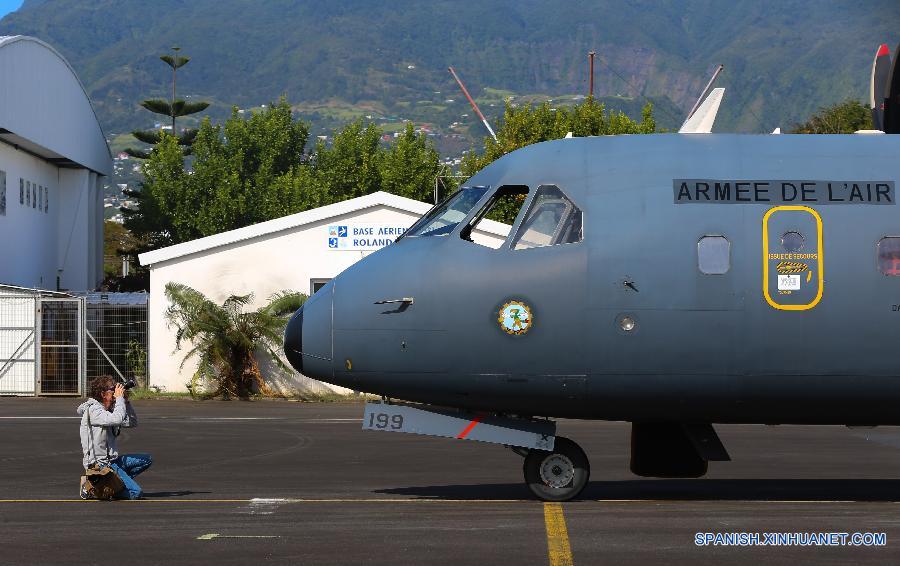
(783,59)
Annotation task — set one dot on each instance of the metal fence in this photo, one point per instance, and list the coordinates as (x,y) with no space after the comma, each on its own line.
(55,345)
(18,362)
(117,341)
(61,343)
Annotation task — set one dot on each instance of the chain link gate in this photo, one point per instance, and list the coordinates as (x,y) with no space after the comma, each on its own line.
(52,345)
(18,344)
(61,366)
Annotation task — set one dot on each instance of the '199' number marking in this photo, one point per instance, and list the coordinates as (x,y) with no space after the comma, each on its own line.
(384,421)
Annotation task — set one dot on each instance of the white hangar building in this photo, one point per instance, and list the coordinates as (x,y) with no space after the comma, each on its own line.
(300,252)
(53,157)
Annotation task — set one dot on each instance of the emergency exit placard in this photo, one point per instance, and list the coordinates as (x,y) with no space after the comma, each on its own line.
(793,266)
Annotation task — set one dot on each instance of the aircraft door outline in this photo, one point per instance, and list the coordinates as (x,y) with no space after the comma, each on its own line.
(788,273)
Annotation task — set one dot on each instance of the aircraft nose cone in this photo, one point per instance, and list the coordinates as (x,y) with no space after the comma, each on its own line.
(293,340)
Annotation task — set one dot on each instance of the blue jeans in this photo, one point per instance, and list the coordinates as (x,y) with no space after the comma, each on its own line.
(127,466)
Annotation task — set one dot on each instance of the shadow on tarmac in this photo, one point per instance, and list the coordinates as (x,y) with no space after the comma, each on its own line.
(885,490)
(161,494)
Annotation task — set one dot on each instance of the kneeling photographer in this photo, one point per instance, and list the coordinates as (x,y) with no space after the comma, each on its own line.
(102,415)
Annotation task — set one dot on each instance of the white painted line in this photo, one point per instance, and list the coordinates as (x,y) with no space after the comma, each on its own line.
(761,501)
(227,418)
(210,419)
(453,501)
(211,536)
(33,418)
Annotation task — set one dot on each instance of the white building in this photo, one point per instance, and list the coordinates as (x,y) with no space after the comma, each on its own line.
(53,157)
(300,252)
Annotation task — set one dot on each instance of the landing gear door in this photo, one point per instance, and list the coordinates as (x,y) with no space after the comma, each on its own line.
(793,262)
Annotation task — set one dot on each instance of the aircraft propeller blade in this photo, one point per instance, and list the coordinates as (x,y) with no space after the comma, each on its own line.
(881,70)
(892,100)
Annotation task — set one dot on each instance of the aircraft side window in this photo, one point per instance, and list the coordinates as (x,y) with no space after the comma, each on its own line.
(502,208)
(889,256)
(446,216)
(714,255)
(552,219)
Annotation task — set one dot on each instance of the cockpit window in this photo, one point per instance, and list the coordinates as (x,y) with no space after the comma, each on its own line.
(503,207)
(443,218)
(552,219)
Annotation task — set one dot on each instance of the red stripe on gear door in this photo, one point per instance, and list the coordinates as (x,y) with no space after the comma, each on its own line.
(469,428)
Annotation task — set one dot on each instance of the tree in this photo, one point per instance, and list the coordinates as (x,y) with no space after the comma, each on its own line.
(526,125)
(117,242)
(410,166)
(225,339)
(250,170)
(173,108)
(350,167)
(253,169)
(842,118)
(162,217)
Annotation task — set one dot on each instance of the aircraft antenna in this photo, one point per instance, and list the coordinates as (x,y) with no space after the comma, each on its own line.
(472,102)
(703,94)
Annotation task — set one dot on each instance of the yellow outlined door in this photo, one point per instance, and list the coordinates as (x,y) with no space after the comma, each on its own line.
(793,262)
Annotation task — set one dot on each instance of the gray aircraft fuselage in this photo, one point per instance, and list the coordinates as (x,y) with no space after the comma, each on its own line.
(819,345)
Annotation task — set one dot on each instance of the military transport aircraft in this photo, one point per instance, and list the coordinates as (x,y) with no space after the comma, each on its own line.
(673,281)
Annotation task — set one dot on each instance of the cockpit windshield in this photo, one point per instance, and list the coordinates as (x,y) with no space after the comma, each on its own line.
(443,218)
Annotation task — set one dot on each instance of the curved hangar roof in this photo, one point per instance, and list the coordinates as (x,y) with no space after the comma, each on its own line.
(44,108)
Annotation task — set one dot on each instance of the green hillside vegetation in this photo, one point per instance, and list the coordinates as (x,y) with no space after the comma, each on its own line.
(784,59)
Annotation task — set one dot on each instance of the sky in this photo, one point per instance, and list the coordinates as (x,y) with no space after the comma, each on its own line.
(7,6)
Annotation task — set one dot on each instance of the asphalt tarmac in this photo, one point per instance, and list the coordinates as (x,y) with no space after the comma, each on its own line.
(280,482)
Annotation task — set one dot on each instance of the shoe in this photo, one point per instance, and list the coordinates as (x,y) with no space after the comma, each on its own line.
(83,491)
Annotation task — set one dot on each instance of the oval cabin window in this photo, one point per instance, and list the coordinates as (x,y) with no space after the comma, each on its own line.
(889,256)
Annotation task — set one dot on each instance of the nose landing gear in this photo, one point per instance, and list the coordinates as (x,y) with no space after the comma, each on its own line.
(559,474)
(552,474)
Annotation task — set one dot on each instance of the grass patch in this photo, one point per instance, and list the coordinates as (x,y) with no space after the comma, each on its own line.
(140,394)
(122,142)
(328,397)
(489,94)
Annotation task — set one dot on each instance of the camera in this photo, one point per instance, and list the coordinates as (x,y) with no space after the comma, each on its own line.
(126,383)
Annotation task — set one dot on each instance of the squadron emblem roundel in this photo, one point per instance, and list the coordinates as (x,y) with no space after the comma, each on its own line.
(515,318)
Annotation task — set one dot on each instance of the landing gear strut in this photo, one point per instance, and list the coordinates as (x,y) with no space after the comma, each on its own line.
(559,474)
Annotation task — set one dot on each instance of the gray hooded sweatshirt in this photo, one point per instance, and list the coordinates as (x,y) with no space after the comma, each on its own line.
(98,439)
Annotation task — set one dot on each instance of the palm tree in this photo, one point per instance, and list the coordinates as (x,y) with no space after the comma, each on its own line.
(226,339)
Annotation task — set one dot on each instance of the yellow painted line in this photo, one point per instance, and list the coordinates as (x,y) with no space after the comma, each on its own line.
(279,501)
(558,549)
(478,501)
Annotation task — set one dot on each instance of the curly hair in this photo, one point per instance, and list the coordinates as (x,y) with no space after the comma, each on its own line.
(101,384)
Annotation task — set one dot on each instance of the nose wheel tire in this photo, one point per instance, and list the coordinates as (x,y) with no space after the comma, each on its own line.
(559,474)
